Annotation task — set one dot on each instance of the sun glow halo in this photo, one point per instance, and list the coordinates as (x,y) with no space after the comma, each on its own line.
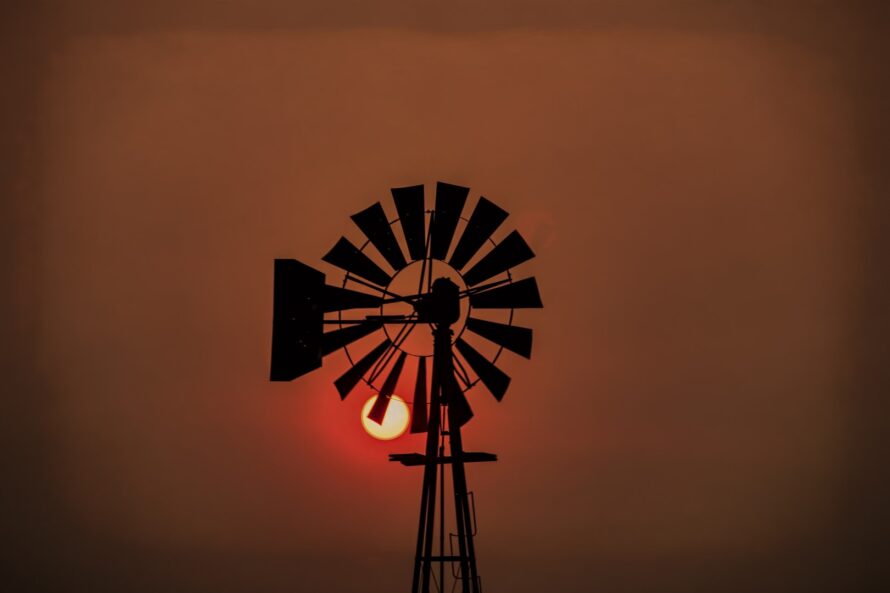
(395,422)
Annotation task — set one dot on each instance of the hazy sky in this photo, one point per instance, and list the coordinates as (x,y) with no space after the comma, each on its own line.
(700,183)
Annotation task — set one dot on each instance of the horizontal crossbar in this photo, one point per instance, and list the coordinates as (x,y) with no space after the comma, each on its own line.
(442,558)
(413,459)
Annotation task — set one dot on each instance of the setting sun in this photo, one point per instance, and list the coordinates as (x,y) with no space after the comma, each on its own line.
(395,422)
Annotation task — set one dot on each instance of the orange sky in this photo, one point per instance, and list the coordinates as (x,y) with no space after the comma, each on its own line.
(696,414)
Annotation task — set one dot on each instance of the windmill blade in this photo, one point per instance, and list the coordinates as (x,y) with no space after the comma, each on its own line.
(517,295)
(341,337)
(486,218)
(510,252)
(409,205)
(491,376)
(459,411)
(378,410)
(373,222)
(347,256)
(348,380)
(340,299)
(419,412)
(512,337)
(450,201)
(296,320)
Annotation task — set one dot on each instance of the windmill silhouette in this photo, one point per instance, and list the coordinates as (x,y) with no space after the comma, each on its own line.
(470,286)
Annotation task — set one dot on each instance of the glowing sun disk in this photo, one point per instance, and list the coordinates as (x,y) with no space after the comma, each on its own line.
(395,422)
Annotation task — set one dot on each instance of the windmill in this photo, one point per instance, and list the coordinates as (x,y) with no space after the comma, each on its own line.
(455,295)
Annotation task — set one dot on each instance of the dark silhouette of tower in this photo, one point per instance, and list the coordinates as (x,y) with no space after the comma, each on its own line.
(304,305)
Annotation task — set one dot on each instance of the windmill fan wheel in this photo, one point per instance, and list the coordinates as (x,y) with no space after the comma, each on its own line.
(409,276)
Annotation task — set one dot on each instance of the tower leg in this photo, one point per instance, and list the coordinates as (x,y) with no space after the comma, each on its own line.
(429,529)
(426,526)
(469,578)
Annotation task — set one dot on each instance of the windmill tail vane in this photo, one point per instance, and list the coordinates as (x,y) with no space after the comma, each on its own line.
(410,294)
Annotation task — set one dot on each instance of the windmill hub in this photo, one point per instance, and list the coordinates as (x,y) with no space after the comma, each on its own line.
(441,305)
(407,282)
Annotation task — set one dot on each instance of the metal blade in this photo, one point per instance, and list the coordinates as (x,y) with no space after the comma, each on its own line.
(341,337)
(459,411)
(514,338)
(491,376)
(486,218)
(409,205)
(518,295)
(348,380)
(378,410)
(510,252)
(341,299)
(419,412)
(373,222)
(296,320)
(347,256)
(450,201)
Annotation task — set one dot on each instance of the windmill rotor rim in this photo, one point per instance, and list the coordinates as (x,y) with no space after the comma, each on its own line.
(347,276)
